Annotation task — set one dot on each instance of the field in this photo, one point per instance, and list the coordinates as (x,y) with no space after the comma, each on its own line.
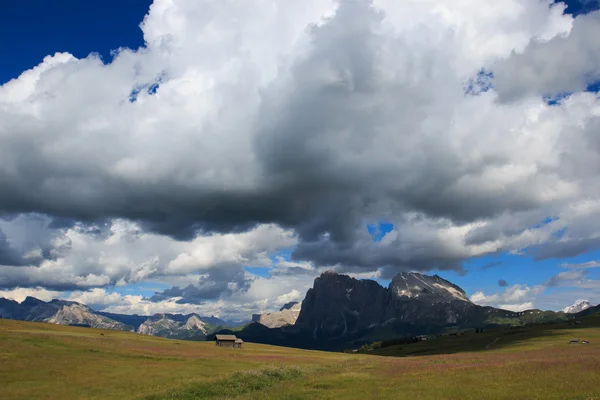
(44,361)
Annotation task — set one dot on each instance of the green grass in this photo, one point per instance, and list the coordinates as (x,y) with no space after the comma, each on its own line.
(234,385)
(43,361)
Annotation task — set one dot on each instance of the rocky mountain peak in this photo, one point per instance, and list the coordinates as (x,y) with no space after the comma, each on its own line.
(578,306)
(435,289)
(179,327)
(337,282)
(339,306)
(194,322)
(31,302)
(71,313)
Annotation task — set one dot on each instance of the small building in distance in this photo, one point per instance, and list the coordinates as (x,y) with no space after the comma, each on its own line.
(228,341)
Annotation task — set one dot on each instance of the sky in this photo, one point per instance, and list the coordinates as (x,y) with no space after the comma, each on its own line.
(215,157)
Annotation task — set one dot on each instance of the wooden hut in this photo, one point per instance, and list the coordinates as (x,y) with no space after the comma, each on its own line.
(226,341)
(238,343)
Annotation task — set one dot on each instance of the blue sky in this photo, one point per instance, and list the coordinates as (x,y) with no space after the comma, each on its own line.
(34,29)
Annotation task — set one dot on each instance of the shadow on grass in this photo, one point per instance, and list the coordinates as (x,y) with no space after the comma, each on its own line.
(492,339)
(235,384)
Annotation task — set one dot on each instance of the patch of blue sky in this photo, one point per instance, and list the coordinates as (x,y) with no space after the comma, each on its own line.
(483,273)
(101,26)
(578,7)
(594,87)
(285,254)
(379,230)
(263,272)
(145,289)
(481,83)
(545,222)
(557,98)
(149,88)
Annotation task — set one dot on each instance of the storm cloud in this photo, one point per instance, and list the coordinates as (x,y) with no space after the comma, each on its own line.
(245,129)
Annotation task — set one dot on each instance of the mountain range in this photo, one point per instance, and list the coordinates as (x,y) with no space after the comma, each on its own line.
(341,312)
(338,312)
(175,326)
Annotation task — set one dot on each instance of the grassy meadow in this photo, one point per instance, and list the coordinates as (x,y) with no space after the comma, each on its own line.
(44,361)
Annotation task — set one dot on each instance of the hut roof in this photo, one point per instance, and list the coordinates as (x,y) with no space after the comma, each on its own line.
(239,341)
(232,338)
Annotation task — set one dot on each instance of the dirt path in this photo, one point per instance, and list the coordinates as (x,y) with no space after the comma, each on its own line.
(490,344)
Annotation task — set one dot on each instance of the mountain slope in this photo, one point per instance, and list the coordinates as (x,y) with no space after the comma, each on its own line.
(287,315)
(57,312)
(78,314)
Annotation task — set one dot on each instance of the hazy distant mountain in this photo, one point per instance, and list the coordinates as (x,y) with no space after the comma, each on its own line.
(57,312)
(217,321)
(190,326)
(162,325)
(287,315)
(136,320)
(578,306)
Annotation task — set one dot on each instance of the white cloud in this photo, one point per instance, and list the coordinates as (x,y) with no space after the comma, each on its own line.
(264,295)
(513,298)
(567,278)
(517,307)
(19,294)
(587,264)
(281,124)
(121,253)
(538,70)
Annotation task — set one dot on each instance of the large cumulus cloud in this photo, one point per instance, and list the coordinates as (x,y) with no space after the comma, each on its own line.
(247,121)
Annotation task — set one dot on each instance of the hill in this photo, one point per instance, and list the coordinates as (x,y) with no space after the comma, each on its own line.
(52,361)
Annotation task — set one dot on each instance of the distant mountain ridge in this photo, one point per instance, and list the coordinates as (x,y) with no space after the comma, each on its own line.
(57,312)
(136,320)
(193,328)
(176,326)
